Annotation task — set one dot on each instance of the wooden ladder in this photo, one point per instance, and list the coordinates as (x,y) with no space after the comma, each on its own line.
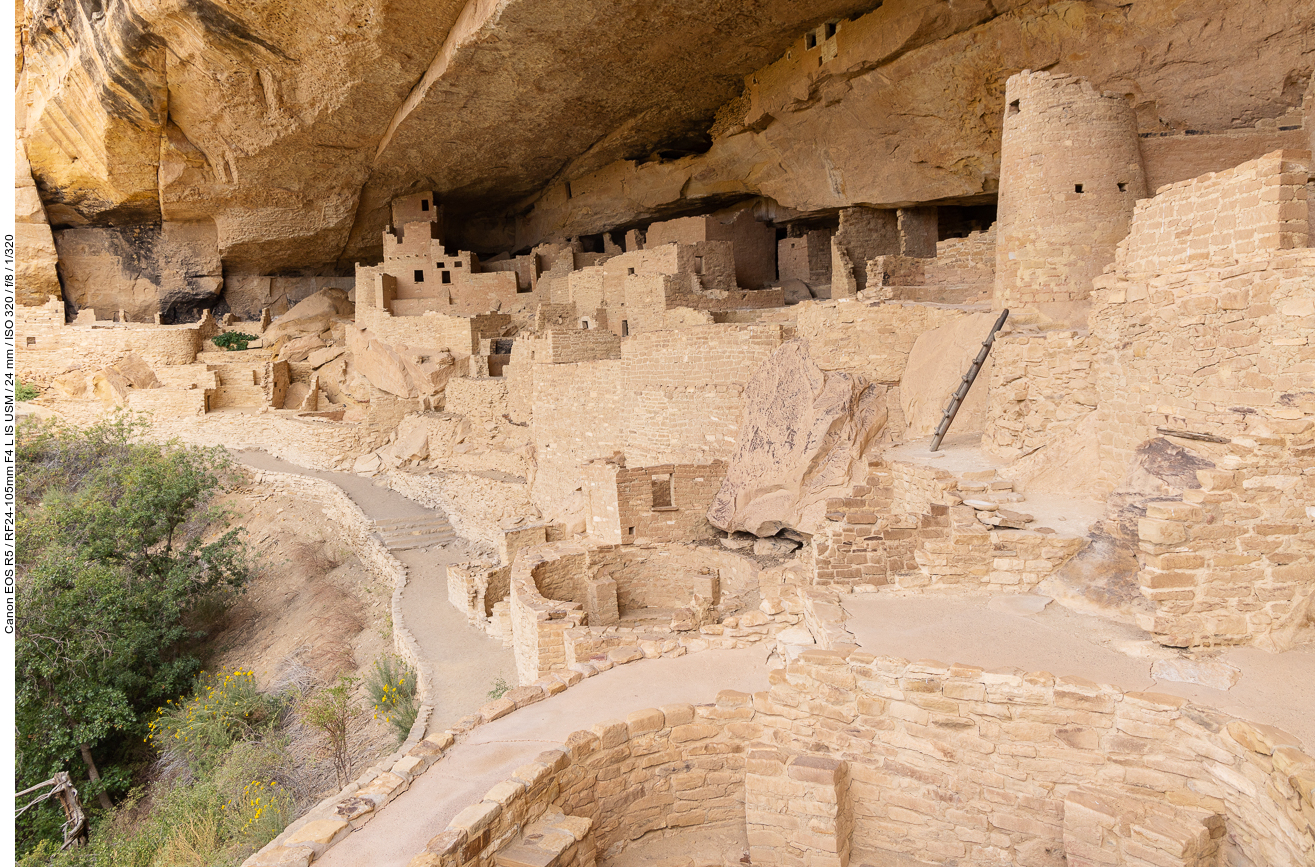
(966,383)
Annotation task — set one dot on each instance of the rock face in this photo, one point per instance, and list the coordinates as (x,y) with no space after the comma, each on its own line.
(403,371)
(292,125)
(939,359)
(172,269)
(802,440)
(36,278)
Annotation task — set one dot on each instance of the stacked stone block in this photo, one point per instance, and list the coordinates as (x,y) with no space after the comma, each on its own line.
(853,758)
(1042,386)
(1218,358)
(905,525)
(797,810)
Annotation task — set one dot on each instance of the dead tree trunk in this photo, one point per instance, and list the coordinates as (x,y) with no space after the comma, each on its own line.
(101,798)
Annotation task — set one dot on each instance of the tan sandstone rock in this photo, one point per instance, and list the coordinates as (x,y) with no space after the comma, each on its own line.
(803,439)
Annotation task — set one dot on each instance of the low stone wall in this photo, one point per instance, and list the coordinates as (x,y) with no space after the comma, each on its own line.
(358,533)
(539,622)
(659,769)
(953,762)
(905,525)
(474,504)
(317,444)
(565,613)
(851,758)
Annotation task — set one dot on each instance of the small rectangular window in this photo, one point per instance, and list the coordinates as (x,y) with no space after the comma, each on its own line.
(662,493)
(1123,188)
(630,272)
(810,41)
(1013,107)
(1077,188)
(584,324)
(830,29)
(457,264)
(31,341)
(439,265)
(447,276)
(419,276)
(625,328)
(698,264)
(424,204)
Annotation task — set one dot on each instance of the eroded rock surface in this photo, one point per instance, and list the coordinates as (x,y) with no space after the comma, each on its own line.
(803,438)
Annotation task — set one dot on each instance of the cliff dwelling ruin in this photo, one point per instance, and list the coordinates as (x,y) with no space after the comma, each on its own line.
(653,313)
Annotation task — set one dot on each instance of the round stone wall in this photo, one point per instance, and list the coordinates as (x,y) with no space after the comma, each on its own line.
(1070,174)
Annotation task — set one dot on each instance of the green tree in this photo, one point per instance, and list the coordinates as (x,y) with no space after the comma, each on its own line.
(118,563)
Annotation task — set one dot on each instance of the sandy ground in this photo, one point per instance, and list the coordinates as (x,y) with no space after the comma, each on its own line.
(1276,689)
(466,662)
(493,751)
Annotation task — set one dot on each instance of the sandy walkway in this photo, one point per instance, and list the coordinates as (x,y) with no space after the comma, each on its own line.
(465,661)
(493,751)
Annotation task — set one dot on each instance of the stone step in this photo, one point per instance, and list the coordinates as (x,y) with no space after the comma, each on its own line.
(410,523)
(408,533)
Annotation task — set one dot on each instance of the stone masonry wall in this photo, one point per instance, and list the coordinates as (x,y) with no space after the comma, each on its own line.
(953,763)
(578,413)
(905,526)
(1220,358)
(668,768)
(684,391)
(1221,218)
(1041,386)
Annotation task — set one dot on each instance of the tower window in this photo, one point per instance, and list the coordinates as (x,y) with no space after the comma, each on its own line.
(830,29)
(584,324)
(1013,107)
(424,204)
(625,328)
(630,272)
(810,40)
(419,276)
(1123,188)
(1077,188)
(447,276)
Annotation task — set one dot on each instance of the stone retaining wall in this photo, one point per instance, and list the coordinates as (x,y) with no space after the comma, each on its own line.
(851,758)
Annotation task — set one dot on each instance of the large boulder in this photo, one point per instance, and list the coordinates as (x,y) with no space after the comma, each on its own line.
(803,439)
(110,385)
(309,316)
(404,371)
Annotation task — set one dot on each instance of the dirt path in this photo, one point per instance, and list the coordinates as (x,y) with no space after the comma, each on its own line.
(493,751)
(465,661)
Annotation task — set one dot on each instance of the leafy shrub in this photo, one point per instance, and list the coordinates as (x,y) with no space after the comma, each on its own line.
(222,710)
(220,817)
(392,686)
(500,688)
(232,341)
(26,391)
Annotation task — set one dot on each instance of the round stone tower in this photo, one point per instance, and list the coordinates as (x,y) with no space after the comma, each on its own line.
(1070,173)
